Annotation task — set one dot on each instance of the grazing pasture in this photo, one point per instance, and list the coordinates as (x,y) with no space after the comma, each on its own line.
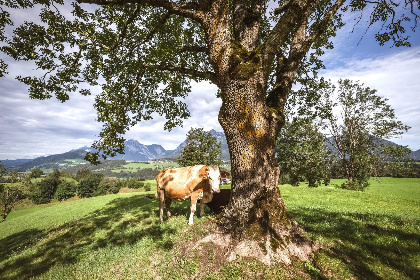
(373,234)
(133,166)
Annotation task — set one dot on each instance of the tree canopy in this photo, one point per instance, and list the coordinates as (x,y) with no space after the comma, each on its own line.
(201,148)
(358,120)
(302,153)
(144,53)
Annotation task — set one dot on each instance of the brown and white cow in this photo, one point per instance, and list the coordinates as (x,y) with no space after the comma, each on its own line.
(198,182)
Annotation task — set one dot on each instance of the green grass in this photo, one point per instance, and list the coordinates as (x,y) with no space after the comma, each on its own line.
(134,166)
(367,235)
(75,161)
(373,234)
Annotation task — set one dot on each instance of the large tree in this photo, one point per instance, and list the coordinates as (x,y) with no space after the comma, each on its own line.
(144,53)
(11,192)
(302,153)
(201,148)
(358,120)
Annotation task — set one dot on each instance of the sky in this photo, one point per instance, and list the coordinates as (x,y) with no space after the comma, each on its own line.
(32,128)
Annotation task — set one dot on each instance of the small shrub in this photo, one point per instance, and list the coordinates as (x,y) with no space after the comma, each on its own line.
(88,186)
(66,190)
(147,187)
(134,183)
(355,185)
(108,185)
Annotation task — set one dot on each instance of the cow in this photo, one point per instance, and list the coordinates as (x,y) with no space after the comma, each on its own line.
(224,174)
(220,201)
(198,182)
(224,177)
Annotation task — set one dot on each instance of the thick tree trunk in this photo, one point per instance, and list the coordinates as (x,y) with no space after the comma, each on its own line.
(251,138)
(256,220)
(256,213)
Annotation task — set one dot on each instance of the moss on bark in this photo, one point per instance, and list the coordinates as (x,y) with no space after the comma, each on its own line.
(244,64)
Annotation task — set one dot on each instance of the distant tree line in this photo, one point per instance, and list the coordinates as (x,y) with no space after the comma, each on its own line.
(109,169)
(58,185)
(303,156)
(145,173)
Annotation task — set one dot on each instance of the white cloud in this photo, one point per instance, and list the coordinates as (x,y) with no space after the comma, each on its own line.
(30,128)
(204,109)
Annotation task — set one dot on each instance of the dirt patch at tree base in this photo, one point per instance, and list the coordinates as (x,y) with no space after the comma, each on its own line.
(214,249)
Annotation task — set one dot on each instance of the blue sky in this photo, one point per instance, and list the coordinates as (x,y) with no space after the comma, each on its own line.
(31,128)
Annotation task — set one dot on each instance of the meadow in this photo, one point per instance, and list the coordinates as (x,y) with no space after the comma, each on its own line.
(133,166)
(373,234)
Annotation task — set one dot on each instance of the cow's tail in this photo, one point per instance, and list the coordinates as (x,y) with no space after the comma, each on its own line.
(152,196)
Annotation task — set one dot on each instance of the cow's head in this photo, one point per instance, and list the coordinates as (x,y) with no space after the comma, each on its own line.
(213,173)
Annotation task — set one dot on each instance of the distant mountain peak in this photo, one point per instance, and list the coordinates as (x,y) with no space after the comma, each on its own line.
(133,151)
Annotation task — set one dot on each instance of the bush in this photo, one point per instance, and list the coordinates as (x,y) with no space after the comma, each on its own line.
(134,183)
(355,185)
(88,186)
(66,190)
(45,190)
(108,185)
(147,187)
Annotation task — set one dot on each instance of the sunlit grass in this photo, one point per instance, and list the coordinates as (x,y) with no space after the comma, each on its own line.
(367,235)
(134,166)
(364,235)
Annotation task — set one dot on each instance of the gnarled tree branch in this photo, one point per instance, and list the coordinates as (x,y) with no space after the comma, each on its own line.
(190,10)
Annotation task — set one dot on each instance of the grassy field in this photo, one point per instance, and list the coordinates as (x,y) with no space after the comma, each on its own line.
(364,235)
(134,166)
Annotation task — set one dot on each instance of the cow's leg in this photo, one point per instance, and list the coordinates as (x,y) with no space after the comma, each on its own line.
(207,197)
(202,208)
(168,206)
(194,199)
(161,195)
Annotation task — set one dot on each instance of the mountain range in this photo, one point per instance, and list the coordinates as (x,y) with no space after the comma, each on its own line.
(134,151)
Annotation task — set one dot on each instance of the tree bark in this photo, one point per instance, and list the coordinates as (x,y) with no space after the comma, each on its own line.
(251,139)
(256,211)
(251,119)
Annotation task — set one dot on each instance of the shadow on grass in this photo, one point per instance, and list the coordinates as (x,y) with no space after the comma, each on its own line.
(366,243)
(123,221)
